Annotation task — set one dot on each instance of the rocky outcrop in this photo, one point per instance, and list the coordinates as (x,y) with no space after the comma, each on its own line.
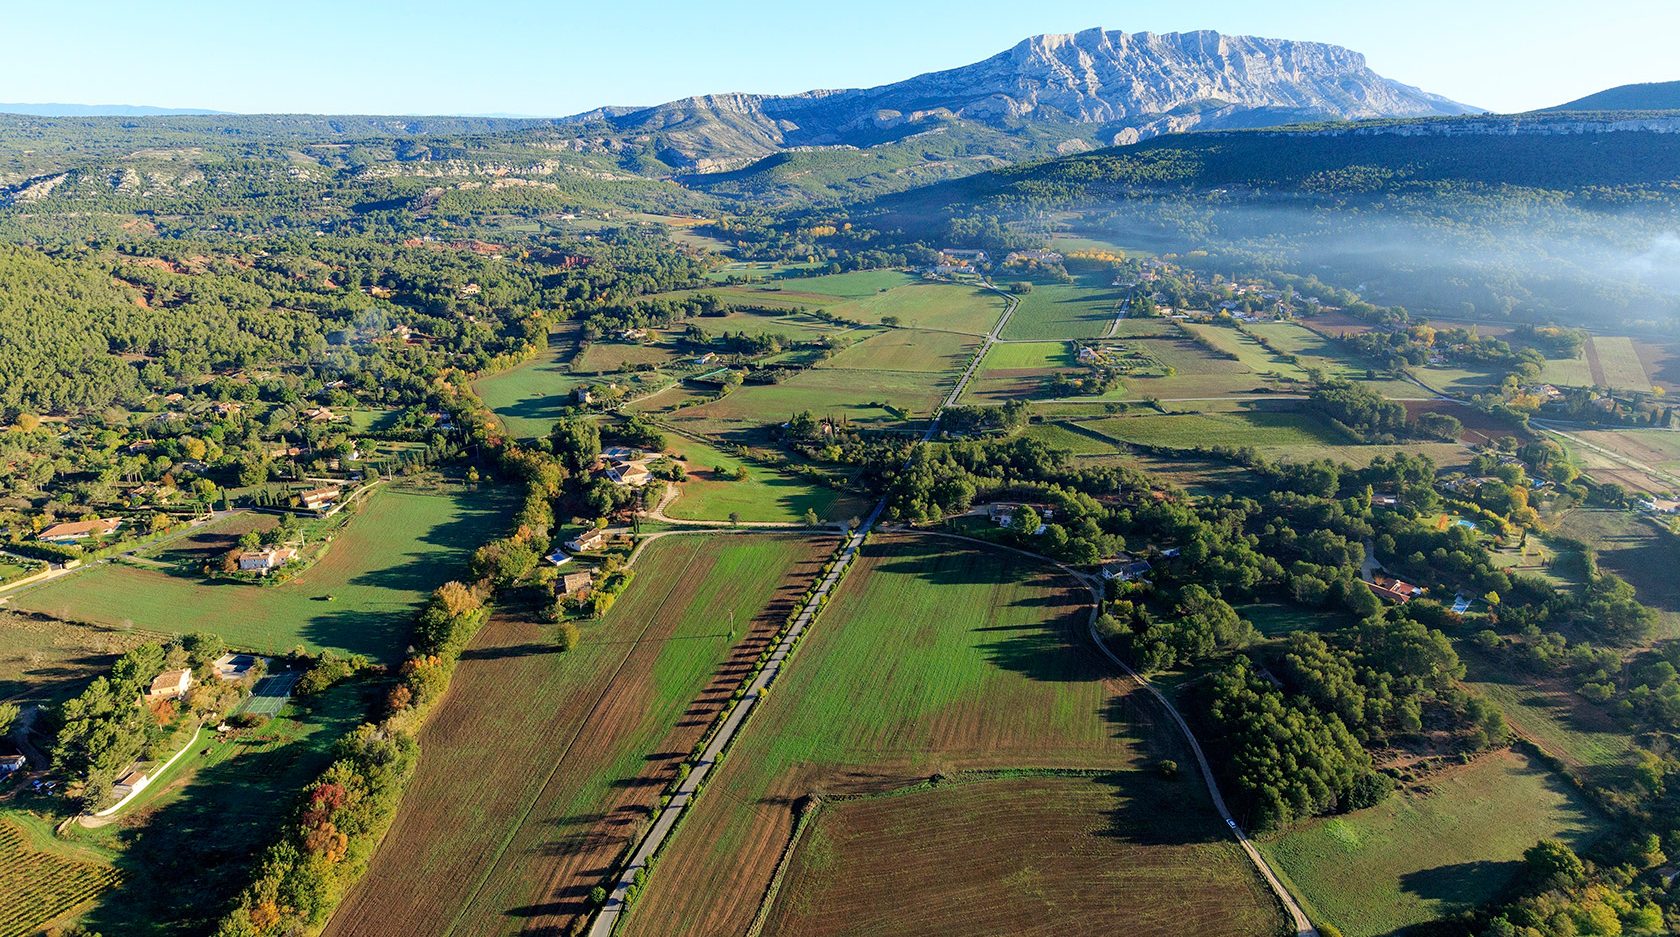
(1115,87)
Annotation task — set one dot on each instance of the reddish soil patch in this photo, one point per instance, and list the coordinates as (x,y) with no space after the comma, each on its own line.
(1337,324)
(1479,427)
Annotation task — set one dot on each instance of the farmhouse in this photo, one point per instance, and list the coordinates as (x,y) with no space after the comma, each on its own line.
(632,335)
(1660,506)
(80,530)
(262,561)
(134,780)
(10,763)
(706,358)
(634,474)
(319,498)
(318,415)
(1392,589)
(171,684)
(593,540)
(233,666)
(577,584)
(1124,568)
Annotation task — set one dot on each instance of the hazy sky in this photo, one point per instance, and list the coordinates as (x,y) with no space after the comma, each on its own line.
(560,57)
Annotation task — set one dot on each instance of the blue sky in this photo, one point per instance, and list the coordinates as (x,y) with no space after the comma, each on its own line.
(525,57)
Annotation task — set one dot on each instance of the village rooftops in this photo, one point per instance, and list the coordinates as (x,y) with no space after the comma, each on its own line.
(80,530)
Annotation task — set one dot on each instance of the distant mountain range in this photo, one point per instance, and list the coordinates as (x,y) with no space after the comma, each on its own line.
(1088,89)
(1656,96)
(102,110)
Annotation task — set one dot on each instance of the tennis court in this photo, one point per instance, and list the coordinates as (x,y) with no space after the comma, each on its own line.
(269,695)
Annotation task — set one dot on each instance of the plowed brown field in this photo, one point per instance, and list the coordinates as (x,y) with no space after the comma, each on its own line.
(540,765)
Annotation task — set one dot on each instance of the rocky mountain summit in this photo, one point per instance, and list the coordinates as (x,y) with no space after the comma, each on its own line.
(1094,88)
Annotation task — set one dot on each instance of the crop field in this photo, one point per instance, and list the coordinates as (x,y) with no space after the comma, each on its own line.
(1430,853)
(898,400)
(360,598)
(539,766)
(1315,350)
(606,356)
(41,887)
(1568,372)
(1016,370)
(1057,310)
(1460,380)
(948,307)
(1662,363)
(1615,363)
(853,285)
(1265,429)
(906,350)
(1065,436)
(797,326)
(1654,448)
(1249,353)
(996,857)
(765,495)
(935,656)
(187,844)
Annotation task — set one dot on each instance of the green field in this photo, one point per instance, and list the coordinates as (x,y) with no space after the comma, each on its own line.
(854,285)
(1249,353)
(539,765)
(864,398)
(906,350)
(606,356)
(1424,855)
(1057,310)
(360,598)
(930,306)
(1568,372)
(766,494)
(1619,364)
(530,397)
(1061,436)
(1258,428)
(934,657)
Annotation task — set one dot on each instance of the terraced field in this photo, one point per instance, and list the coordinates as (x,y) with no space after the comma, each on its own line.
(937,657)
(539,765)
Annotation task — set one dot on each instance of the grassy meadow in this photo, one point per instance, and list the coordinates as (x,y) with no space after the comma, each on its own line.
(360,598)
(1426,854)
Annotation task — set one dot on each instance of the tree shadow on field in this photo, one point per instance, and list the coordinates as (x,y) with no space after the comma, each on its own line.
(1152,810)
(1462,884)
(508,651)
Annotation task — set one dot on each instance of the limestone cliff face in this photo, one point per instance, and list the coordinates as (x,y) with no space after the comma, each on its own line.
(1114,87)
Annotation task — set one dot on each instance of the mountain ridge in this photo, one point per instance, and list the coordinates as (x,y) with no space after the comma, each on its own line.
(1104,87)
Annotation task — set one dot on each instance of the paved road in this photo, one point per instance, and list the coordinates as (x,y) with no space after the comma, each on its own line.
(990,339)
(666,818)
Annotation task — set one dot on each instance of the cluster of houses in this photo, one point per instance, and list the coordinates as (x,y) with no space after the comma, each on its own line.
(953,261)
(320,499)
(1660,505)
(173,685)
(1045,257)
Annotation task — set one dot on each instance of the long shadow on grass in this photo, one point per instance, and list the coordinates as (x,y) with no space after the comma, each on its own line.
(183,867)
(1462,884)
